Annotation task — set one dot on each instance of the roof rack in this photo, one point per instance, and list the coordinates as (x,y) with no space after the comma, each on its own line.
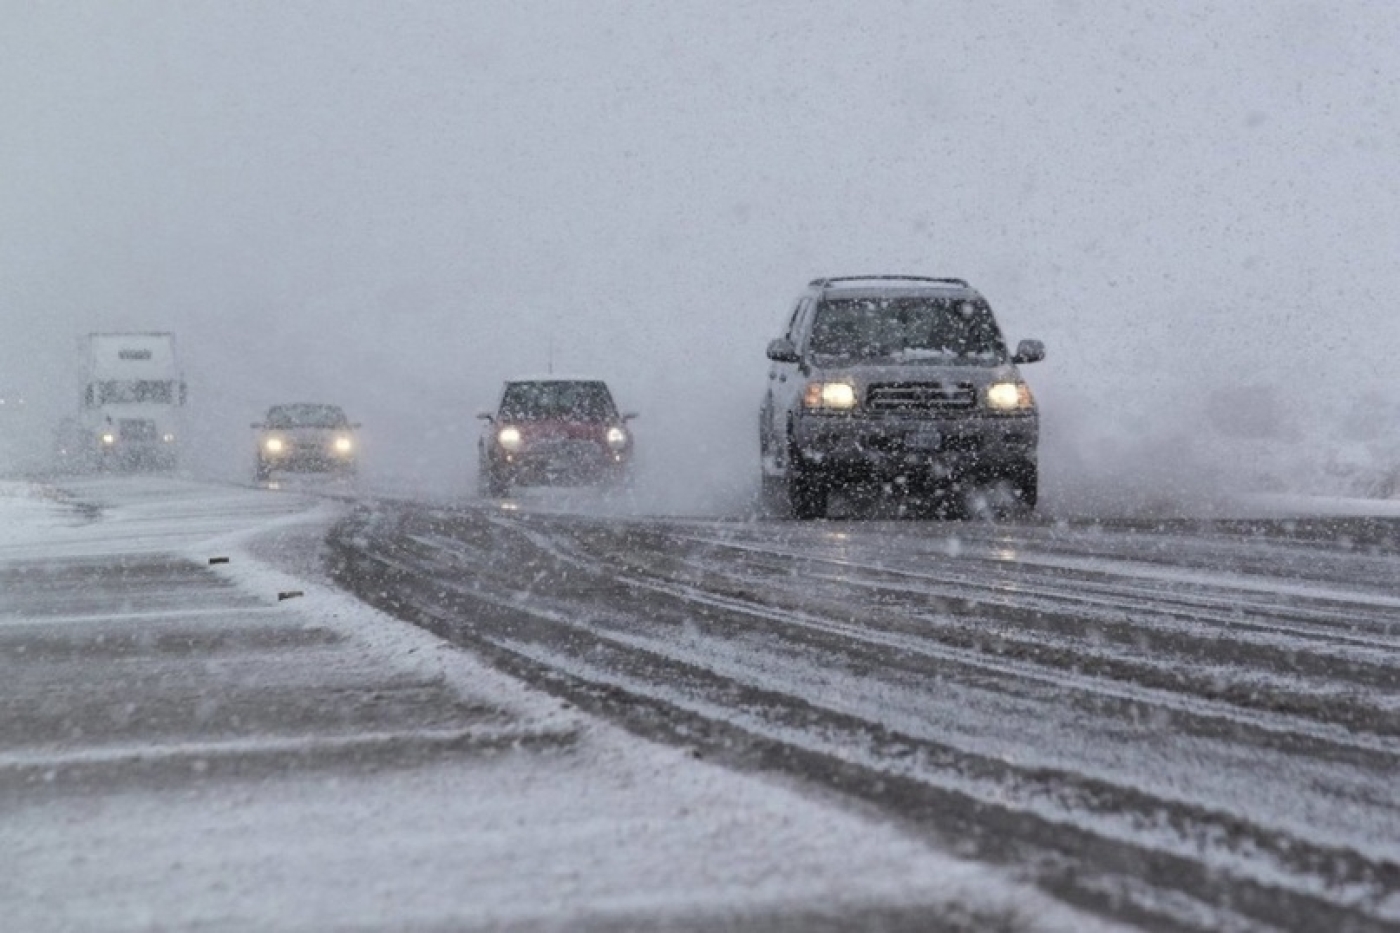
(824,282)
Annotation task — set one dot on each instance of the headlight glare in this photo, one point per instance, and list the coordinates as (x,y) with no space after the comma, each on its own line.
(1009,396)
(833,396)
(509,438)
(617,438)
(109,438)
(273,445)
(343,445)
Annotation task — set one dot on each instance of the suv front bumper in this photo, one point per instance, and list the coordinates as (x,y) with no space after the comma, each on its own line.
(857,448)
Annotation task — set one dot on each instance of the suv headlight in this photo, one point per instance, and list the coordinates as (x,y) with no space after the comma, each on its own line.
(830,396)
(616,438)
(1009,396)
(343,444)
(273,445)
(509,438)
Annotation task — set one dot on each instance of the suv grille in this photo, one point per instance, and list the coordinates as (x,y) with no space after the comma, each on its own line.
(920,396)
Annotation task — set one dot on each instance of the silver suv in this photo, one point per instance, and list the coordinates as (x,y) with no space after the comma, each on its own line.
(896,379)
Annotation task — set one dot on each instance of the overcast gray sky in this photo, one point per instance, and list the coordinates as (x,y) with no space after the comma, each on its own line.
(396,205)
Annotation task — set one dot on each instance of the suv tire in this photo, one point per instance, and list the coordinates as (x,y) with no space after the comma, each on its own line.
(1026,480)
(807,493)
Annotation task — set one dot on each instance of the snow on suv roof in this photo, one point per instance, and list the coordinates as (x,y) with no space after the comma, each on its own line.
(867,282)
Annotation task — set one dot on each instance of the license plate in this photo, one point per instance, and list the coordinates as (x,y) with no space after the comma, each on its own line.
(924,439)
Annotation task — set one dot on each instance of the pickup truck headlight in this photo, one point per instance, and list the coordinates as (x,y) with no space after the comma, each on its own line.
(1009,396)
(343,445)
(616,438)
(509,438)
(830,396)
(274,445)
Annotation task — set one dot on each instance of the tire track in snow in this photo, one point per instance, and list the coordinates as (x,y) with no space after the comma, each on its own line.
(601,624)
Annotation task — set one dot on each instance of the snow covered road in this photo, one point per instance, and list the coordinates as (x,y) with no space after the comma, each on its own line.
(181,747)
(1182,725)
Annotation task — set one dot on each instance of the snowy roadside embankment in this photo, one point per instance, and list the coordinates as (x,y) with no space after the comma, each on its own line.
(27,512)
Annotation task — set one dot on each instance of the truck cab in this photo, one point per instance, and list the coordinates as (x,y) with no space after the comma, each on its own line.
(131,403)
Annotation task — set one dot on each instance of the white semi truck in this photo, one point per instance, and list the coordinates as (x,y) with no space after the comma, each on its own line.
(132,397)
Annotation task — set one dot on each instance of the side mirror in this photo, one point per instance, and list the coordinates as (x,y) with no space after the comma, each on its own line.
(355,425)
(782,350)
(628,416)
(486,416)
(257,425)
(1029,351)
(184,392)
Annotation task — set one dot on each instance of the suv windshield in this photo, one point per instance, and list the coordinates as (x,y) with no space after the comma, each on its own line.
(907,330)
(306,416)
(566,401)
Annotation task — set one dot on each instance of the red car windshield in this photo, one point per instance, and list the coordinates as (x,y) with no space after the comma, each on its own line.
(557,401)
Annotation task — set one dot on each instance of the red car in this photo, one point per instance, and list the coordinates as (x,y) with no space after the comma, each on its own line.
(554,431)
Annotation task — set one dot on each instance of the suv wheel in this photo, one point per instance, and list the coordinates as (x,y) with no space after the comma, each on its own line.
(807,494)
(1026,480)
